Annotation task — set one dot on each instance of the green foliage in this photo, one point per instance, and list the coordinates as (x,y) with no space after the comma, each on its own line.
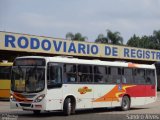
(76,36)
(101,39)
(112,37)
(148,42)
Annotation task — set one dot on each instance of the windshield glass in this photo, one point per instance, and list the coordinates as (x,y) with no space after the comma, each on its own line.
(28,78)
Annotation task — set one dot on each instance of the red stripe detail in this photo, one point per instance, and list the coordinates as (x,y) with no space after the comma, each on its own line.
(141,91)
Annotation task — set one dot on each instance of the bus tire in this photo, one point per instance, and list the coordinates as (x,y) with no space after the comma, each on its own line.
(36,112)
(125,105)
(67,107)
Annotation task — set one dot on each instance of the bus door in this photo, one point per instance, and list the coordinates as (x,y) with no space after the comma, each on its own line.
(54,86)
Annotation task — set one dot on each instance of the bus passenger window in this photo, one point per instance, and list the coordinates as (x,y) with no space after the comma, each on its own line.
(139,76)
(127,77)
(108,78)
(124,80)
(150,77)
(85,73)
(100,74)
(70,73)
(116,75)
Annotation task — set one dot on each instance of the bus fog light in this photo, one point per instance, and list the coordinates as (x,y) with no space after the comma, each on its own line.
(39,98)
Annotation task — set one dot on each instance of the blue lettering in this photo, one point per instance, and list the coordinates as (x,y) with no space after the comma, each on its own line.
(81,48)
(46,45)
(152,54)
(158,56)
(57,47)
(94,49)
(64,47)
(35,43)
(88,49)
(114,51)
(144,56)
(133,53)
(126,52)
(147,54)
(20,42)
(9,39)
(139,53)
(107,50)
(72,48)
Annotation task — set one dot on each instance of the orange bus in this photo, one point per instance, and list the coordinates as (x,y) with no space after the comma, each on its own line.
(5,71)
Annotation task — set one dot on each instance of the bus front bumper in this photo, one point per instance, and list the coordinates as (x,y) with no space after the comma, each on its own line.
(27,105)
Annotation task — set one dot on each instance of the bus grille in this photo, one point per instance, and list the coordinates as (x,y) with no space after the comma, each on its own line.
(25,104)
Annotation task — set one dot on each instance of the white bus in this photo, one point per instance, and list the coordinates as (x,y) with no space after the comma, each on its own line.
(67,84)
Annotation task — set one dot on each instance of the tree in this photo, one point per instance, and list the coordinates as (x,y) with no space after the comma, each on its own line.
(112,37)
(133,41)
(147,42)
(70,36)
(156,34)
(76,36)
(101,39)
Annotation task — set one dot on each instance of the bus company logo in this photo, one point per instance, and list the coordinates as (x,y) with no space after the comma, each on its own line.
(84,90)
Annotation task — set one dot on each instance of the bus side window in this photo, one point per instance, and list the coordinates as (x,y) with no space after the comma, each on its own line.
(139,76)
(85,73)
(116,75)
(127,76)
(109,76)
(100,75)
(150,76)
(70,73)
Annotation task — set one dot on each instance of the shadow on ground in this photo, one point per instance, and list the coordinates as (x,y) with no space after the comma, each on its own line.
(78,112)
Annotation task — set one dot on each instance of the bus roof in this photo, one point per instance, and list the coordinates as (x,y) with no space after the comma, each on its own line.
(62,59)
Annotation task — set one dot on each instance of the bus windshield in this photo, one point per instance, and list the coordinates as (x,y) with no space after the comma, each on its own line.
(28,78)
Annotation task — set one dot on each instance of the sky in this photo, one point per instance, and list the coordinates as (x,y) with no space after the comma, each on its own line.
(54,18)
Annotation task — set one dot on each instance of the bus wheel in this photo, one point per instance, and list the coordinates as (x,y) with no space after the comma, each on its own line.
(125,103)
(67,107)
(36,112)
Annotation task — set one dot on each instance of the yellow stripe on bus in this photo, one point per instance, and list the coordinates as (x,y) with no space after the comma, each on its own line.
(5,93)
(5,84)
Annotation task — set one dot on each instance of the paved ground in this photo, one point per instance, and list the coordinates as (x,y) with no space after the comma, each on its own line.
(151,111)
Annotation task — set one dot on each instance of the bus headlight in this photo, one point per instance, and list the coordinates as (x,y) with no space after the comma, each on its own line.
(39,98)
(12,98)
